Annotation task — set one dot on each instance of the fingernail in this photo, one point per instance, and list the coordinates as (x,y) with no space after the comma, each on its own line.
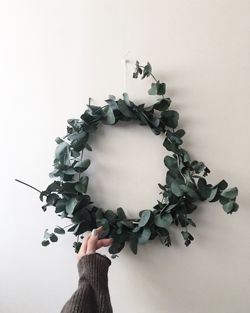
(94,232)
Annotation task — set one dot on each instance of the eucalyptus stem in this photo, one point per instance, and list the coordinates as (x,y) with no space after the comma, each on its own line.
(68,225)
(79,176)
(153,77)
(185,214)
(19,181)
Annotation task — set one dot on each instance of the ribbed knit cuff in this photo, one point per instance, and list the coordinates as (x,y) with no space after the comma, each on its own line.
(94,268)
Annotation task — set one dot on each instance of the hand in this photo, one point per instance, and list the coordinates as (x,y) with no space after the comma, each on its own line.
(91,243)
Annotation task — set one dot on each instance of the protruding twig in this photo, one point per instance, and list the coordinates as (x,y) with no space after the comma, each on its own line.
(19,181)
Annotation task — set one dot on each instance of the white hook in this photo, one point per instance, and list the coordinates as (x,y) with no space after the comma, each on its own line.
(125,61)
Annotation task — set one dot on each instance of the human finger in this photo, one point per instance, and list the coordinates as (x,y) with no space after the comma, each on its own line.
(104,243)
(92,241)
(83,248)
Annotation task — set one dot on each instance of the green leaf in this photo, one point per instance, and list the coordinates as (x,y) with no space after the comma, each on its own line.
(59,230)
(46,234)
(99,214)
(161,89)
(76,125)
(109,117)
(204,191)
(153,90)
(173,138)
(58,140)
(70,205)
(162,105)
(45,243)
(67,188)
(222,185)
(186,157)
(53,186)
(190,191)
(52,198)
(147,70)
(53,237)
(126,99)
(121,214)
(112,97)
(60,205)
(83,227)
(213,194)
(77,246)
(198,166)
(230,193)
(145,235)
(82,185)
(95,110)
(61,150)
(82,165)
(136,229)
(187,237)
(162,187)
(164,236)
(119,229)
(62,153)
(84,201)
(230,207)
(170,207)
(163,220)
(74,154)
(190,222)
(138,70)
(223,200)
(170,146)
(112,103)
(157,89)
(110,215)
(170,118)
(87,146)
(78,136)
(124,109)
(133,243)
(69,171)
(116,247)
(170,162)
(180,133)
(78,140)
(145,217)
(105,227)
(176,190)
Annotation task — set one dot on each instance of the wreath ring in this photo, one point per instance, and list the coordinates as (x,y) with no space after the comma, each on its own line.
(185,183)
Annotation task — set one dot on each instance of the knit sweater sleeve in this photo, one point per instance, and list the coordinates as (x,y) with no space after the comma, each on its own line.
(92,294)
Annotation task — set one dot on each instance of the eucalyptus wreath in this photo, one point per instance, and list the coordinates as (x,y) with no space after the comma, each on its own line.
(185,184)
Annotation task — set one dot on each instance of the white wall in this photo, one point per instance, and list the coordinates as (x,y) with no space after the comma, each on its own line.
(54,55)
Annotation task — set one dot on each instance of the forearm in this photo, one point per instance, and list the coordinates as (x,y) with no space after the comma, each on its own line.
(94,269)
(82,301)
(92,295)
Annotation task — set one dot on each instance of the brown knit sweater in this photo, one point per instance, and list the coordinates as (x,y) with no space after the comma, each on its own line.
(92,294)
